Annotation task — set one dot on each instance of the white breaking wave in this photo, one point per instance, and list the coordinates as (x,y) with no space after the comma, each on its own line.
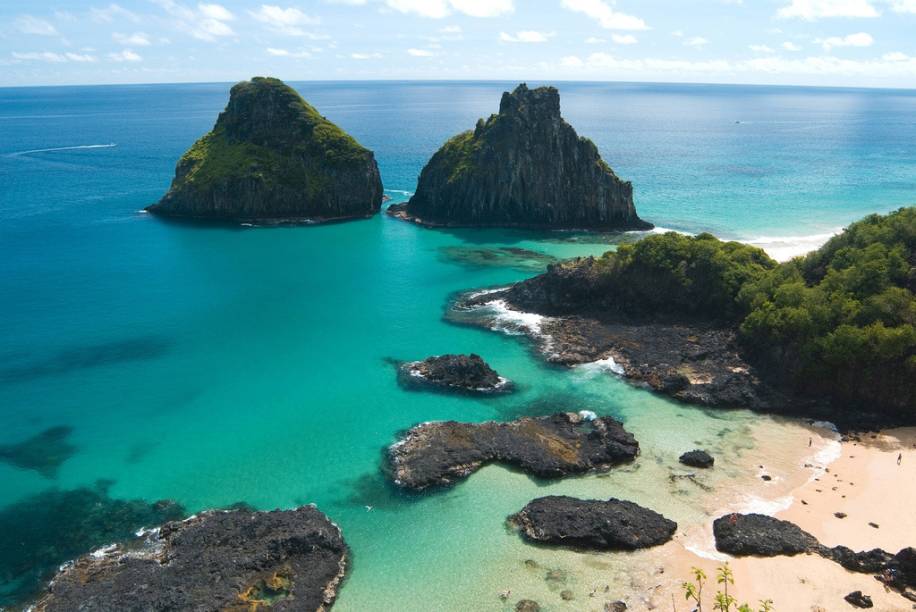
(784,248)
(601,366)
(514,321)
(400,191)
(53,149)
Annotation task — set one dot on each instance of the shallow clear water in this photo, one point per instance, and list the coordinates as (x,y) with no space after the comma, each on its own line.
(212,365)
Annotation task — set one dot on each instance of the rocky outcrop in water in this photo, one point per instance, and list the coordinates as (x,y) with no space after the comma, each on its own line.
(756,534)
(237,560)
(441,453)
(463,373)
(698,459)
(592,524)
(522,167)
(272,157)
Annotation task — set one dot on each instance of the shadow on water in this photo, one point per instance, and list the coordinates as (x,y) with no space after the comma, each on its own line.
(42,531)
(523,260)
(73,359)
(43,452)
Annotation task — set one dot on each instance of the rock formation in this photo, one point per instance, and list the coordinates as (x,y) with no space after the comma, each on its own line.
(697,458)
(272,157)
(592,524)
(522,167)
(237,560)
(466,373)
(441,453)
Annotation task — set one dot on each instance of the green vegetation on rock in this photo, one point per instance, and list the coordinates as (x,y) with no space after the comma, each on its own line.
(271,154)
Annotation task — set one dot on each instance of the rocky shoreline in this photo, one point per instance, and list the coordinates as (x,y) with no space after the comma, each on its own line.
(439,454)
(456,373)
(226,560)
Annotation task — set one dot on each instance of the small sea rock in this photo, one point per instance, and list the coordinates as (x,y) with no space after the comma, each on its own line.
(859,600)
(697,458)
(527,605)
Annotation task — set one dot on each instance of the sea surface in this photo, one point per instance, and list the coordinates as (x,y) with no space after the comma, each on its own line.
(214,365)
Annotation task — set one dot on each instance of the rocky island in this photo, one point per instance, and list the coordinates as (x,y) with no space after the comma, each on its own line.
(461,373)
(523,167)
(830,335)
(271,157)
(216,560)
(438,454)
(591,524)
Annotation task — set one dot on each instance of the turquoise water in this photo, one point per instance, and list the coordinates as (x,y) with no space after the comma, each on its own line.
(212,365)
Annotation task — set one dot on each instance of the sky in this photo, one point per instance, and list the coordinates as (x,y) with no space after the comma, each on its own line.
(859,43)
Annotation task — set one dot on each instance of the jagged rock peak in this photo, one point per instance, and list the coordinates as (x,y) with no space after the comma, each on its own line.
(522,167)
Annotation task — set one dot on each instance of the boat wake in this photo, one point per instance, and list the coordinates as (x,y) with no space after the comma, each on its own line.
(54,149)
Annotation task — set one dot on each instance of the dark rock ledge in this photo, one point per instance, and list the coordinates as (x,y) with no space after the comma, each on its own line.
(216,560)
(441,453)
(465,373)
(756,534)
(592,524)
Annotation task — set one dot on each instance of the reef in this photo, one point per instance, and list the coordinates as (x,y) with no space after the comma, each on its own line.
(44,452)
(522,167)
(592,524)
(216,560)
(438,454)
(271,157)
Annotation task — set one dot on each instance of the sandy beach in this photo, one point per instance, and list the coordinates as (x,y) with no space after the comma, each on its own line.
(867,485)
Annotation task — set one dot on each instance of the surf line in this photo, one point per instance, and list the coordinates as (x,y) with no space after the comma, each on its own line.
(53,149)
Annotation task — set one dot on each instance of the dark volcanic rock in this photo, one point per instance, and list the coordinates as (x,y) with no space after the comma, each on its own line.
(698,459)
(440,453)
(292,560)
(271,156)
(757,534)
(592,524)
(468,373)
(523,167)
(866,562)
(857,599)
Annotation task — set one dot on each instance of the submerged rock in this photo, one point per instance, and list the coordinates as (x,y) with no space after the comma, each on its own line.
(44,530)
(592,524)
(44,452)
(469,373)
(283,560)
(441,453)
(522,167)
(697,458)
(271,156)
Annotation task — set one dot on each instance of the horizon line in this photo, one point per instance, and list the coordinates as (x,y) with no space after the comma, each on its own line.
(471,80)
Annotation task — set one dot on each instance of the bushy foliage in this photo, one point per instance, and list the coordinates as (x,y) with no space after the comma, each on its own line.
(699,276)
(841,321)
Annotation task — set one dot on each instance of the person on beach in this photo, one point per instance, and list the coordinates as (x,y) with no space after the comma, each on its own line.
(899,458)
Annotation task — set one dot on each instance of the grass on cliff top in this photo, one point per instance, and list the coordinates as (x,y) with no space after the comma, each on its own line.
(299,162)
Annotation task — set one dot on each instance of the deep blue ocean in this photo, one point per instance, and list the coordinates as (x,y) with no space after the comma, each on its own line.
(213,365)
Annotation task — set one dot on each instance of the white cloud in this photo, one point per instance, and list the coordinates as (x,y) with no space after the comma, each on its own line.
(859,39)
(760,48)
(207,23)
(137,39)
(124,56)
(27,24)
(572,61)
(594,40)
(288,21)
(791,46)
(904,6)
(696,41)
(437,9)
(525,36)
(110,12)
(483,8)
(603,12)
(452,29)
(365,56)
(817,9)
(420,52)
(895,56)
(624,39)
(285,53)
(53,58)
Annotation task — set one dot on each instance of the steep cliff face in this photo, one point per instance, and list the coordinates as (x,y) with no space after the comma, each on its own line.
(273,156)
(524,166)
